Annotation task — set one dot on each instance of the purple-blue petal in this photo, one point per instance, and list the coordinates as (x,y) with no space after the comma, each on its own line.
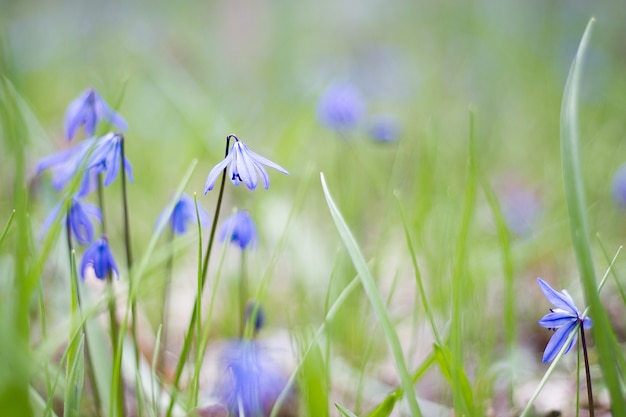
(558,299)
(98,255)
(556,319)
(215,172)
(245,166)
(557,341)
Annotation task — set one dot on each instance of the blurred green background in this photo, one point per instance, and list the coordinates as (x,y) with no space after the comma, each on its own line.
(186,74)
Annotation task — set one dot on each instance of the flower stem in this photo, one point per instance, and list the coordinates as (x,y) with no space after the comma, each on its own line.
(129,265)
(589,391)
(243,295)
(194,315)
(92,369)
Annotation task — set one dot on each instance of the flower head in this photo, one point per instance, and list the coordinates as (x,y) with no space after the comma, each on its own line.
(184,212)
(564,319)
(99,257)
(384,129)
(341,107)
(239,229)
(106,158)
(79,222)
(64,164)
(88,109)
(243,165)
(619,186)
(252,379)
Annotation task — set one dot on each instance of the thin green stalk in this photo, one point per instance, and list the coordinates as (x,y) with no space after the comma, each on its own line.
(462,398)
(91,373)
(199,349)
(243,296)
(7,227)
(604,336)
(129,266)
(194,315)
(165,306)
(375,299)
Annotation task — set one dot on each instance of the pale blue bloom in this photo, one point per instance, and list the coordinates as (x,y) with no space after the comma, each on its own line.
(87,110)
(619,186)
(239,229)
(64,164)
(252,379)
(79,222)
(341,107)
(384,128)
(243,165)
(106,158)
(564,319)
(184,212)
(99,257)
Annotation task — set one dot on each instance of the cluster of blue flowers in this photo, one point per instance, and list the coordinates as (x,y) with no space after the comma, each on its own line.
(342,108)
(90,159)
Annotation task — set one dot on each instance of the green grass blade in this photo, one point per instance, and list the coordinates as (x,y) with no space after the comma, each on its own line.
(344,411)
(572,176)
(376,300)
(5,231)
(385,408)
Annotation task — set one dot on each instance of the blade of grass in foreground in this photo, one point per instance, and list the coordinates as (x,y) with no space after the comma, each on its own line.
(376,300)
(572,175)
(7,227)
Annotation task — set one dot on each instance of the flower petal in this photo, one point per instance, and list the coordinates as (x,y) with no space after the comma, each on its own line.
(215,172)
(245,166)
(556,319)
(558,340)
(258,158)
(560,300)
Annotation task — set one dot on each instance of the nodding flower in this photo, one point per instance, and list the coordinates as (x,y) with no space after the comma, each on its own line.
(98,256)
(239,229)
(341,107)
(87,110)
(243,165)
(184,212)
(565,318)
(78,219)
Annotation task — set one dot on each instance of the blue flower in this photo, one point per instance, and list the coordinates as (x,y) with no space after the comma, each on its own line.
(341,107)
(89,109)
(384,128)
(79,222)
(65,163)
(239,229)
(564,319)
(106,158)
(252,379)
(619,186)
(260,314)
(99,257)
(243,165)
(184,212)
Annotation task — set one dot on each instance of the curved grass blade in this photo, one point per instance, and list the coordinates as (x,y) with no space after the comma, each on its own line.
(604,336)
(376,300)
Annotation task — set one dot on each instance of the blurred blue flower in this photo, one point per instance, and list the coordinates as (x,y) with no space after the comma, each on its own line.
(564,319)
(252,381)
(88,109)
(341,107)
(106,158)
(384,128)
(239,229)
(65,163)
(243,165)
(619,186)
(99,257)
(260,314)
(79,222)
(184,212)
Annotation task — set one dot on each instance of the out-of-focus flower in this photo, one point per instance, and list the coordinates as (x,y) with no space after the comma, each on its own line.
(87,110)
(243,165)
(252,381)
(564,319)
(65,163)
(184,212)
(239,229)
(341,107)
(106,158)
(384,128)
(79,222)
(521,206)
(619,186)
(99,257)
(102,155)
(259,319)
